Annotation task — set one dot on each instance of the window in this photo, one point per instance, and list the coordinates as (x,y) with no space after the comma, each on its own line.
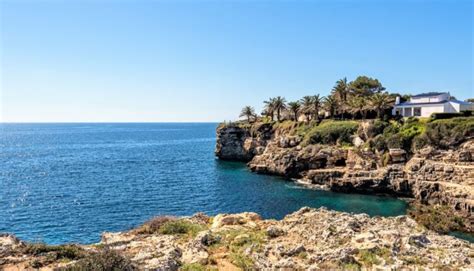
(417,111)
(407,112)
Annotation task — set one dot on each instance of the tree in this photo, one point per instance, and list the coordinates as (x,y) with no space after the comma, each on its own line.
(279,104)
(275,105)
(306,104)
(247,112)
(270,107)
(357,105)
(316,101)
(341,92)
(365,86)
(470,100)
(331,105)
(380,102)
(294,107)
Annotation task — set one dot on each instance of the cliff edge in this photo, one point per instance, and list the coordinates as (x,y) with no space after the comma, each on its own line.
(309,239)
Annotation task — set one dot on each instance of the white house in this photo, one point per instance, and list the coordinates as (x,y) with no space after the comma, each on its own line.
(423,105)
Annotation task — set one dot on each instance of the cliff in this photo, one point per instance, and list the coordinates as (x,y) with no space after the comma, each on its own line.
(309,239)
(429,174)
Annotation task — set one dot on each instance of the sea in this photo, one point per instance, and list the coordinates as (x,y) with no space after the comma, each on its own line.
(69,182)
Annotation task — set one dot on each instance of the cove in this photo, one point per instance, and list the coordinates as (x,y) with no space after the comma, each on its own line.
(70,182)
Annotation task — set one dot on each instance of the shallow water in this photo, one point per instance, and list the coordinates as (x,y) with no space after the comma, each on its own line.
(70,182)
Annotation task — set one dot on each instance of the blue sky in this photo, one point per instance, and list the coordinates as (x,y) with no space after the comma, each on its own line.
(203,60)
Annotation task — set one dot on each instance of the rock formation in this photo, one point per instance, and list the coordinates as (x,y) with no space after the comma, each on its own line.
(309,239)
(429,175)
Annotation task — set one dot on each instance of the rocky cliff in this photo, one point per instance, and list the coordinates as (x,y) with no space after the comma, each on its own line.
(309,239)
(428,175)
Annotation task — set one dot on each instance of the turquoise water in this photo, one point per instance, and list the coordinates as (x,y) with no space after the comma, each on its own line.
(463,235)
(70,182)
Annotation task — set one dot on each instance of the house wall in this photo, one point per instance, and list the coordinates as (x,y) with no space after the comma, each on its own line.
(452,107)
(427,110)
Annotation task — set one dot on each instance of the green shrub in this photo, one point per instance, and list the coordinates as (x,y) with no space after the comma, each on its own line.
(104,260)
(446,133)
(153,225)
(332,132)
(192,267)
(71,252)
(439,218)
(242,261)
(368,257)
(180,227)
(438,116)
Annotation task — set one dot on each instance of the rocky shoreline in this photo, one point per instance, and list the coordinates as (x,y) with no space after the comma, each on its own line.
(429,175)
(309,239)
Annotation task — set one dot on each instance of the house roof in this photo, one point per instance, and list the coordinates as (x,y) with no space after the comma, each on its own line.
(411,104)
(428,94)
(441,102)
(460,102)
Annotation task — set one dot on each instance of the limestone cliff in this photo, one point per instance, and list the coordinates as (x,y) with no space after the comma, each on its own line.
(309,239)
(429,175)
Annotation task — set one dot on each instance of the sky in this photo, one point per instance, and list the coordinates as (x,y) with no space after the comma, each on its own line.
(202,61)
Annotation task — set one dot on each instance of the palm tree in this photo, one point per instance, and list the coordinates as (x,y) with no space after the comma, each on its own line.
(357,105)
(341,91)
(306,103)
(380,102)
(294,107)
(316,101)
(270,107)
(279,104)
(247,112)
(331,105)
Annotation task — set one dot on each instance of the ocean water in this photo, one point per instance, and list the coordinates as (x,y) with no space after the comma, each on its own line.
(71,182)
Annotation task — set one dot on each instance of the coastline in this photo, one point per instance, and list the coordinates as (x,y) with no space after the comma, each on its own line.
(306,239)
(431,176)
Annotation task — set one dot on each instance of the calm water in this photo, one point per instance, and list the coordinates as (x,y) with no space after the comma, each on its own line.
(70,182)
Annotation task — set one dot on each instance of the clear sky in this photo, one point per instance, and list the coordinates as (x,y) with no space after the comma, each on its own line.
(203,60)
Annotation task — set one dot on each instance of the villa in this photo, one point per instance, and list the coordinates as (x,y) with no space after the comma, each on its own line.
(425,104)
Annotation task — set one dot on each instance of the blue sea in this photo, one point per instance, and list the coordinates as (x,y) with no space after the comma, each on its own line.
(71,182)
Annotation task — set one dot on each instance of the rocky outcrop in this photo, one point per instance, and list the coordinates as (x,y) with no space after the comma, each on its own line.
(430,176)
(309,239)
(242,143)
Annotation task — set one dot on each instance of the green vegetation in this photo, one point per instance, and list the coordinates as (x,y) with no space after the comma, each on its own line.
(441,219)
(71,252)
(356,99)
(397,135)
(104,260)
(446,133)
(195,267)
(242,261)
(237,242)
(248,112)
(153,225)
(181,227)
(368,257)
(331,132)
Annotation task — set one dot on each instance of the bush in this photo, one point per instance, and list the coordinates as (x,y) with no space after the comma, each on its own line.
(438,218)
(401,136)
(438,116)
(72,252)
(332,132)
(193,267)
(180,227)
(446,133)
(153,225)
(104,260)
